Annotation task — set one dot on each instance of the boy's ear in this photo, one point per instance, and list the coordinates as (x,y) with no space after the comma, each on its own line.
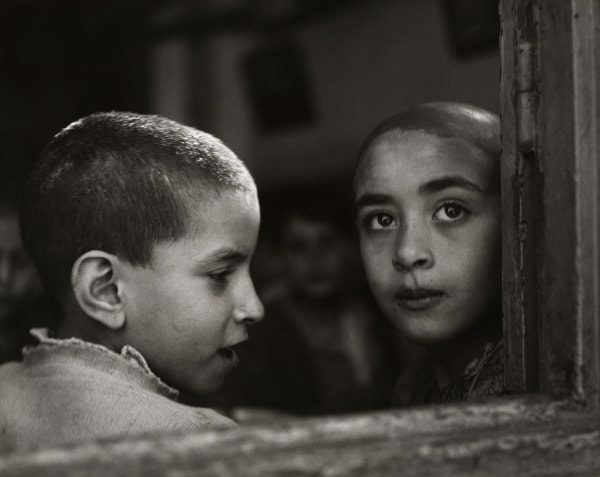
(96,286)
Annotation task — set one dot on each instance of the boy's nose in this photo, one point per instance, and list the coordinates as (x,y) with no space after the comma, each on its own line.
(412,249)
(251,309)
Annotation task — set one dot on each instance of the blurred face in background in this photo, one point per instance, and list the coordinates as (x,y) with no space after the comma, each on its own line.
(18,277)
(314,256)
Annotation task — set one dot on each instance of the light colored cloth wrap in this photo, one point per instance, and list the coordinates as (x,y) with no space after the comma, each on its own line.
(70,390)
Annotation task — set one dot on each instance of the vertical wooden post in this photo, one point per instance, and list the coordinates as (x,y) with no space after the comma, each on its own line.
(568,145)
(551,199)
(519,194)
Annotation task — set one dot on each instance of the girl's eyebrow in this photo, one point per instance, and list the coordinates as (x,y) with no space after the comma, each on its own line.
(446,182)
(372,199)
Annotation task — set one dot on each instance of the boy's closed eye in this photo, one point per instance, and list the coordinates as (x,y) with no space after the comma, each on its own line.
(220,276)
(220,264)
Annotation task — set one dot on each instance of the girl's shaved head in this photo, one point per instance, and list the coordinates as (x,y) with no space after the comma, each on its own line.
(477,127)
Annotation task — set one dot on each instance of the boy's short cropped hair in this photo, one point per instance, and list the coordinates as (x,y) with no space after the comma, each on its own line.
(118,182)
(476,126)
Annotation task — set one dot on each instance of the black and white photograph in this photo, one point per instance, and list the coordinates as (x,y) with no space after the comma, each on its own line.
(300,238)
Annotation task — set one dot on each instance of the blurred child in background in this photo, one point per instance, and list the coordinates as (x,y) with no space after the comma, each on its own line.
(22,305)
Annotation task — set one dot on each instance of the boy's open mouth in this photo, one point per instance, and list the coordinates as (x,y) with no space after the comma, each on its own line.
(228,354)
(416,299)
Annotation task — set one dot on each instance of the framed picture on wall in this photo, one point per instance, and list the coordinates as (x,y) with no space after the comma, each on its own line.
(474,25)
(278,86)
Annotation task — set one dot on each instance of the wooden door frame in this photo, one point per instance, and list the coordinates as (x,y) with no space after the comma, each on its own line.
(550,128)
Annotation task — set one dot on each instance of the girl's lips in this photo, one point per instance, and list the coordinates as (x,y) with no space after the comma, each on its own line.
(418,299)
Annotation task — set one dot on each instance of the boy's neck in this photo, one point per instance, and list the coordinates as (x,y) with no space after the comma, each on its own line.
(75,324)
(451,359)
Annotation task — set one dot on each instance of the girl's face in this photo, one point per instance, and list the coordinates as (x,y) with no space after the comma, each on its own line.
(429,224)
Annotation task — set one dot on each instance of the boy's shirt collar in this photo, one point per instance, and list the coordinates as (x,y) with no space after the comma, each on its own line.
(129,358)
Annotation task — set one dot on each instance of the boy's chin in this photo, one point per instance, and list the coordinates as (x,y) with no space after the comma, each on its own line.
(206,385)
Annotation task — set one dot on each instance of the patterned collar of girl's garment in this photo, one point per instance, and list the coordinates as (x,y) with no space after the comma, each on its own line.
(483,378)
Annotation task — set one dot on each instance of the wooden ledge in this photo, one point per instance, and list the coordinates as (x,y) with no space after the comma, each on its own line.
(527,436)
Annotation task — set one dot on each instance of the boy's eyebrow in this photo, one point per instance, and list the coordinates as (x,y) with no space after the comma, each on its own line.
(372,199)
(446,182)
(223,255)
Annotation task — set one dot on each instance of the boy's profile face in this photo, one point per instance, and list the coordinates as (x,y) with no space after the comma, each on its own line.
(18,277)
(429,222)
(194,301)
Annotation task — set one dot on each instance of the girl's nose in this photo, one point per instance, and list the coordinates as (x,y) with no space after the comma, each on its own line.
(413,249)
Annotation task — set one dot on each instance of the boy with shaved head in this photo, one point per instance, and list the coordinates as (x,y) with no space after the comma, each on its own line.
(142,229)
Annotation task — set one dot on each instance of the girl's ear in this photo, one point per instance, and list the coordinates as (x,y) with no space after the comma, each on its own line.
(97,289)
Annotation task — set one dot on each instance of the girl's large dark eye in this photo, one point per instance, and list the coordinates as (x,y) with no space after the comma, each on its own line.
(450,212)
(380,221)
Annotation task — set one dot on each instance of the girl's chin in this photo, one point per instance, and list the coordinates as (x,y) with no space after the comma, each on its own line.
(427,331)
